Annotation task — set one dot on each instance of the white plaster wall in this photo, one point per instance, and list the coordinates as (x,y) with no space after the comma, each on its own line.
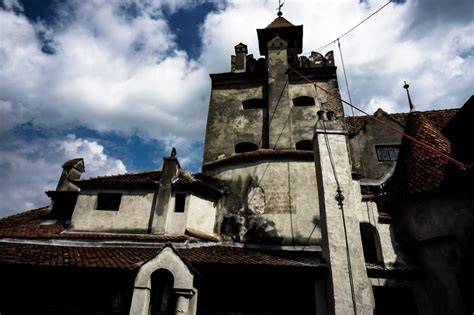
(176,221)
(290,193)
(201,214)
(132,216)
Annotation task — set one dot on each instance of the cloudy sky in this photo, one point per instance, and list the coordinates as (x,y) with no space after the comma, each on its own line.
(121,82)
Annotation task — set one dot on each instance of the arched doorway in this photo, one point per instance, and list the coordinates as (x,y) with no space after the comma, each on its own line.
(162,297)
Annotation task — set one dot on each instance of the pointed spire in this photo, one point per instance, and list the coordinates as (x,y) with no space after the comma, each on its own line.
(406,86)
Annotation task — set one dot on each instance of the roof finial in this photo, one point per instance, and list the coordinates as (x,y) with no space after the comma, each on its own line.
(279,7)
(406,86)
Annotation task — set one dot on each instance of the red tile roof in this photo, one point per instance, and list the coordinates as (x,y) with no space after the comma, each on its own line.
(439,118)
(134,257)
(149,178)
(224,255)
(418,169)
(89,257)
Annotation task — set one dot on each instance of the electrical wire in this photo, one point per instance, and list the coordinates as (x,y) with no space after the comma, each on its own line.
(351,29)
(386,125)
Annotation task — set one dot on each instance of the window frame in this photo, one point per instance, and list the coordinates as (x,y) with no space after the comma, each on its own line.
(385,152)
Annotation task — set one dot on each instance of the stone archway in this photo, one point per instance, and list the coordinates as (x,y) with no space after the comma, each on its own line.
(186,294)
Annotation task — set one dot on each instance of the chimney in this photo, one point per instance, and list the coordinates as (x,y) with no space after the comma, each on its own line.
(239,61)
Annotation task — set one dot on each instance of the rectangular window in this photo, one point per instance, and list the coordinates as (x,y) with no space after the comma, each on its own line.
(179,202)
(387,152)
(108,201)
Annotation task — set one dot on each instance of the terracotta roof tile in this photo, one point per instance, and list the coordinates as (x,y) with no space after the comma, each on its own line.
(148,178)
(201,235)
(132,257)
(438,118)
(224,255)
(418,169)
(89,257)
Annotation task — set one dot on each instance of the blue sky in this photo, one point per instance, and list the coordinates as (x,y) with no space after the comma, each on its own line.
(121,82)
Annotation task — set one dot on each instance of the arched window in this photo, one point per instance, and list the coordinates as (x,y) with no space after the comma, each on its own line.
(253,103)
(303,101)
(371,244)
(304,145)
(162,299)
(245,147)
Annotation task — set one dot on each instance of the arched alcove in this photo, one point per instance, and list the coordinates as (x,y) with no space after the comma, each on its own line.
(162,297)
(243,147)
(304,145)
(371,244)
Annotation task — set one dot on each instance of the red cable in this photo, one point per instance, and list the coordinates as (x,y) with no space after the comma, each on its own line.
(447,157)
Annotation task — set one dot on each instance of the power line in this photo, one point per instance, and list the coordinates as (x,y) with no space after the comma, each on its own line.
(425,145)
(353,28)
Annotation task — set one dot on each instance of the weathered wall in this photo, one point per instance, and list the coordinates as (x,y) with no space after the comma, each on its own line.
(229,123)
(364,156)
(303,117)
(271,202)
(440,228)
(132,216)
(201,214)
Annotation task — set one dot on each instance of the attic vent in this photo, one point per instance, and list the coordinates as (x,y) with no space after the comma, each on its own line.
(303,101)
(108,201)
(304,145)
(387,152)
(253,103)
(245,147)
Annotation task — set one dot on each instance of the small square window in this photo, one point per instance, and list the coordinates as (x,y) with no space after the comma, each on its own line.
(387,152)
(108,201)
(179,202)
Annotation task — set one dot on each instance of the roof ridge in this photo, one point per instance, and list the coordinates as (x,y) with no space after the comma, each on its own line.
(115,175)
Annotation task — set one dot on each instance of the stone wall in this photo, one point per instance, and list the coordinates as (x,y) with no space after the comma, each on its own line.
(269,202)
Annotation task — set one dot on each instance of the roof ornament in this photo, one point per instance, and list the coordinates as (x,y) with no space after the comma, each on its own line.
(406,86)
(279,7)
(173,151)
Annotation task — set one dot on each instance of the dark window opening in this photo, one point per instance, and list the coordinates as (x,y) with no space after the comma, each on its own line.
(304,145)
(162,296)
(108,201)
(254,103)
(388,300)
(371,244)
(387,152)
(180,202)
(245,147)
(303,101)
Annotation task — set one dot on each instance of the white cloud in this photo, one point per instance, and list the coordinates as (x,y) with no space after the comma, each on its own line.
(114,71)
(30,169)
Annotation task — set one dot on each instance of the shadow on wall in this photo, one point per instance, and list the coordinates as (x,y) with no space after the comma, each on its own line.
(241,223)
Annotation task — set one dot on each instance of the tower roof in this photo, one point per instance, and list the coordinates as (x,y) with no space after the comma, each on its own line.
(283,28)
(279,22)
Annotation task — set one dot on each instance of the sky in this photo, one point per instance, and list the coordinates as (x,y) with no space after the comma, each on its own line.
(120,83)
